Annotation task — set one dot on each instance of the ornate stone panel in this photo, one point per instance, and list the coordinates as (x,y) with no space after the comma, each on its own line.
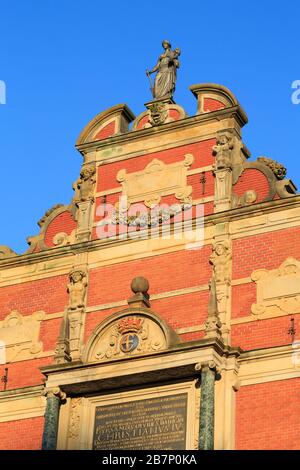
(278,290)
(157,180)
(129,336)
(131,332)
(20,334)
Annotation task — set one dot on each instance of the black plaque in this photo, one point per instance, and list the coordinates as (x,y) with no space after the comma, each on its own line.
(150,424)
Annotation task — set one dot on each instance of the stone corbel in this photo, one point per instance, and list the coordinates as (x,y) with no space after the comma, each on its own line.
(75,321)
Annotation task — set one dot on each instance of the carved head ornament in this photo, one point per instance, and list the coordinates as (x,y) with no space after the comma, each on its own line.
(76,275)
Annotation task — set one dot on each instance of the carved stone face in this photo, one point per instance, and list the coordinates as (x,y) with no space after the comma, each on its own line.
(76,276)
(223,139)
(219,250)
(166,44)
(87,173)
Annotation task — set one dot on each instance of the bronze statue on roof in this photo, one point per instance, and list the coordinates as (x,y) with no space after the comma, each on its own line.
(166,68)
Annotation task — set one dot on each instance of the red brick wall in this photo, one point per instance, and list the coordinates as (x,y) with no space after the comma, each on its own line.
(24,434)
(106,131)
(210,104)
(202,152)
(267,416)
(179,312)
(25,373)
(186,268)
(64,222)
(49,295)
(243,296)
(255,180)
(264,333)
(49,333)
(267,250)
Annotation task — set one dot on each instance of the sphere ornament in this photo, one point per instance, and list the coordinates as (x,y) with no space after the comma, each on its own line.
(140,284)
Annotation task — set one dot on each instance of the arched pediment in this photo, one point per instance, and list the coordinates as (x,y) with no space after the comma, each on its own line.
(128,333)
(114,120)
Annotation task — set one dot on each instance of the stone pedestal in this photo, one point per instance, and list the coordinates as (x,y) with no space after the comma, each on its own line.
(223,188)
(84,218)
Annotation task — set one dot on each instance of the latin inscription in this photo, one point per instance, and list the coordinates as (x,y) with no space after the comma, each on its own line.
(151,424)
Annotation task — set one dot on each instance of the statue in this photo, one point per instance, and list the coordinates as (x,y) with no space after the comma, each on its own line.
(222,151)
(85,184)
(76,288)
(166,68)
(220,259)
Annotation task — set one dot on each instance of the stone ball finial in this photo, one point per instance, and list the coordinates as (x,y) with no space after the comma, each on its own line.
(140,284)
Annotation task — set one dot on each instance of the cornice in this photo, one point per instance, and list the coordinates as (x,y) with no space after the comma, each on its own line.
(213,219)
(192,121)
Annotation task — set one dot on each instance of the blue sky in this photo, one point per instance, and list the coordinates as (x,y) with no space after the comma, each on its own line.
(65,61)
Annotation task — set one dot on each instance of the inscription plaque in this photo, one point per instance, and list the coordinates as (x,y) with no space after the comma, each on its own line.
(150,424)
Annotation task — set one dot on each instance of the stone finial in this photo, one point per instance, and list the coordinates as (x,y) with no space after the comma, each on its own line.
(140,287)
(62,349)
(213,323)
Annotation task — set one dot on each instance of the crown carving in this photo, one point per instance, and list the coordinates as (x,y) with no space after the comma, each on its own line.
(130,324)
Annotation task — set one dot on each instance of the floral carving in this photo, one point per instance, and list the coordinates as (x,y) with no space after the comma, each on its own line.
(147,218)
(75,418)
(278,169)
(47,213)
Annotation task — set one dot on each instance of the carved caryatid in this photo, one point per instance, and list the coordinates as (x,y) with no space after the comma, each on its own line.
(84,186)
(223,151)
(76,289)
(220,259)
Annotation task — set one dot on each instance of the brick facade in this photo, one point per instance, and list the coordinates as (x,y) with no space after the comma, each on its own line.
(179,278)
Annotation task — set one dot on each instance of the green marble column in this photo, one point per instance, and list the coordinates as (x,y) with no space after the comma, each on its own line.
(207,407)
(54,398)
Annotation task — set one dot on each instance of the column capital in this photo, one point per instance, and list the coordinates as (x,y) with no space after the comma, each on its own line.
(209,365)
(54,392)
